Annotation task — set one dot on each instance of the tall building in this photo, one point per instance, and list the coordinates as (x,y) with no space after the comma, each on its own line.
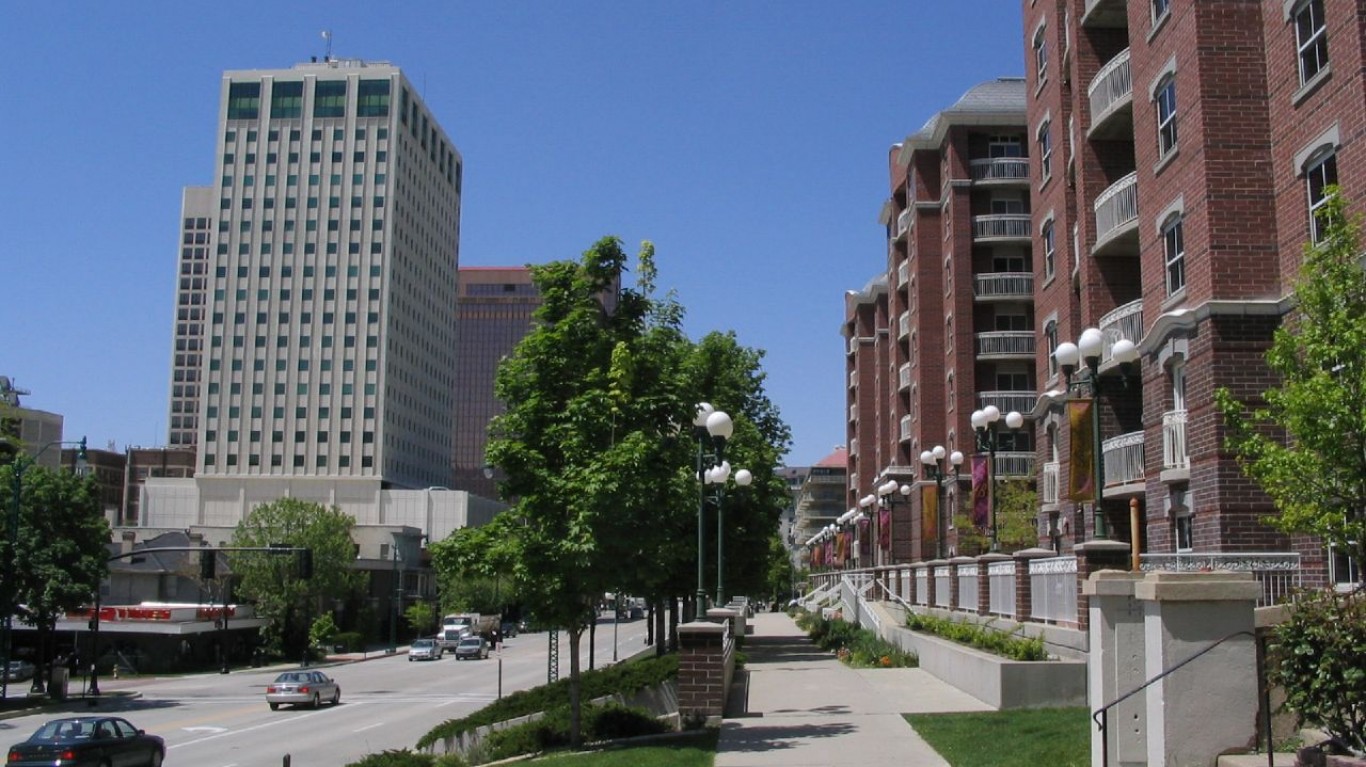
(1194,141)
(948,327)
(494,313)
(25,429)
(314,333)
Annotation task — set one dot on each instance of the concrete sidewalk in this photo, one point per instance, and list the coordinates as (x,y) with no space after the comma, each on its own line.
(806,708)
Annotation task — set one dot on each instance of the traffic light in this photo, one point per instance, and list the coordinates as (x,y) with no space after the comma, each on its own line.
(305,563)
(208,561)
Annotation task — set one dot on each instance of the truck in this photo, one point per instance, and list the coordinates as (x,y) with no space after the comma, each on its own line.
(485,626)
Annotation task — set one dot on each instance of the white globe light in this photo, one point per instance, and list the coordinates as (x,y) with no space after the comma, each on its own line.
(905,490)
(979,420)
(1124,351)
(722,472)
(956,459)
(927,458)
(720,425)
(743,477)
(1014,420)
(704,409)
(1090,343)
(1067,354)
(939,452)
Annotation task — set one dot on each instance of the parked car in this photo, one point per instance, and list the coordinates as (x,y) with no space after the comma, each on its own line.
(19,670)
(425,649)
(472,646)
(88,741)
(508,629)
(302,688)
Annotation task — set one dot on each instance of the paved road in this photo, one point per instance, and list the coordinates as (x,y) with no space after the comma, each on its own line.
(214,720)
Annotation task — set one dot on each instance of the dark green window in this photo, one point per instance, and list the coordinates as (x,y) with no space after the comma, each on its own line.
(287,100)
(373,98)
(244,101)
(329,99)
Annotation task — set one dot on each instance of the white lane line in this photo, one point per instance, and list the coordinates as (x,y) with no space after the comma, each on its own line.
(369,727)
(254,728)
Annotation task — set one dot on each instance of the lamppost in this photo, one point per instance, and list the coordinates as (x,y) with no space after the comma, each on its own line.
(712,428)
(985,424)
(717,476)
(18,468)
(934,468)
(393,603)
(886,498)
(1087,350)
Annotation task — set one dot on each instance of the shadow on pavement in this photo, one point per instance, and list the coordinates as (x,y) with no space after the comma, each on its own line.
(779,737)
(767,650)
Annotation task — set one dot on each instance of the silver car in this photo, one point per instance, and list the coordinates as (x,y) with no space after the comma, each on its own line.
(472,646)
(302,688)
(425,649)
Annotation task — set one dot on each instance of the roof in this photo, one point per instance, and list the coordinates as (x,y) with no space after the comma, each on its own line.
(995,102)
(837,459)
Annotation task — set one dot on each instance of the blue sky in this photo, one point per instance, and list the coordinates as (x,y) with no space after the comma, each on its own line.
(747,140)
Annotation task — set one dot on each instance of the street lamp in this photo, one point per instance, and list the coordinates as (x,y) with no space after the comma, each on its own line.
(712,428)
(934,468)
(393,602)
(717,476)
(985,424)
(886,498)
(1087,350)
(18,468)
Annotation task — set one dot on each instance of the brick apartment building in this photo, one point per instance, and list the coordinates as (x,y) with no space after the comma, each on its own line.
(1175,150)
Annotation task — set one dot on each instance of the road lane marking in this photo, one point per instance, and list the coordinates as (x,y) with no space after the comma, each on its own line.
(369,727)
(283,720)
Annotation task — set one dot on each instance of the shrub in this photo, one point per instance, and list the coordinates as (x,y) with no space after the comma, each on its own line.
(856,646)
(404,758)
(613,722)
(1009,645)
(552,730)
(353,641)
(1319,656)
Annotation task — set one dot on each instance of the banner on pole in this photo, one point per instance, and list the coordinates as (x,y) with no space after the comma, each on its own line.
(929,513)
(1081,484)
(981,498)
(884,528)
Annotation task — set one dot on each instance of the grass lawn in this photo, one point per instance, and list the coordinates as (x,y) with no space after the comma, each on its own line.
(696,751)
(1058,737)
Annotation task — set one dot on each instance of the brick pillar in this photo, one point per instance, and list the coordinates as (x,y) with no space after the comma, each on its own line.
(1024,594)
(911,583)
(984,580)
(1094,556)
(705,664)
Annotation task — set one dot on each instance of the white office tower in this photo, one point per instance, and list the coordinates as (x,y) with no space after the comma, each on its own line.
(328,324)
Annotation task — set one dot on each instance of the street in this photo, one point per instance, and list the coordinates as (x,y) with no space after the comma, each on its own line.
(387,702)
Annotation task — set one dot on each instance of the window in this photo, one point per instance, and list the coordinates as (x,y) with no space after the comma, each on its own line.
(1175,249)
(287,100)
(1050,339)
(1312,40)
(1045,139)
(1049,250)
(1040,55)
(1160,10)
(1181,519)
(329,99)
(1005,146)
(1342,571)
(1166,117)
(1322,174)
(244,101)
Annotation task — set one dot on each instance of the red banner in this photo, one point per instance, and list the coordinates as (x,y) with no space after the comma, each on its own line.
(1083,455)
(981,492)
(929,513)
(884,528)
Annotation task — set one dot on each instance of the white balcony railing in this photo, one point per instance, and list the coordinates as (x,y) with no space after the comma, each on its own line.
(853,412)
(1012,285)
(1000,169)
(1278,572)
(903,325)
(1174,440)
(1014,464)
(905,434)
(903,223)
(1006,401)
(1111,88)
(853,344)
(1052,483)
(1123,459)
(1123,322)
(1005,342)
(1001,226)
(853,379)
(903,274)
(1116,206)
(903,377)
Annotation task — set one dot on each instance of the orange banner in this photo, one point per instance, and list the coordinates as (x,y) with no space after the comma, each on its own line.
(929,512)
(1081,483)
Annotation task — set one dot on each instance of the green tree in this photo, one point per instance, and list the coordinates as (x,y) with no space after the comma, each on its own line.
(422,616)
(286,601)
(1304,443)
(61,554)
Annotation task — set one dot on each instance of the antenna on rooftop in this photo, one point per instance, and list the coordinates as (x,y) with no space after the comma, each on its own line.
(327,35)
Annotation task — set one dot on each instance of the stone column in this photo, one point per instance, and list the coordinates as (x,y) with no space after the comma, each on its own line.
(955,588)
(705,664)
(1117,666)
(1024,587)
(911,583)
(1208,706)
(1093,556)
(984,563)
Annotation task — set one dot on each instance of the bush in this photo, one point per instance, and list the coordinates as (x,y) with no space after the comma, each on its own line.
(551,731)
(352,641)
(1008,645)
(404,758)
(856,646)
(1319,657)
(614,722)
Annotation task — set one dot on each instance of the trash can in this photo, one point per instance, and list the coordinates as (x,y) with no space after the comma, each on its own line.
(57,683)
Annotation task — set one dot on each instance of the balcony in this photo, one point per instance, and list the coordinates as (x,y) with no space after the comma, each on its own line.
(853,379)
(1052,484)
(1014,465)
(1006,401)
(1124,468)
(853,412)
(1174,456)
(903,325)
(853,345)
(1123,322)
(903,224)
(903,377)
(1117,218)
(1004,286)
(905,433)
(903,273)
(1000,171)
(1105,14)
(1000,227)
(1005,344)
(1112,100)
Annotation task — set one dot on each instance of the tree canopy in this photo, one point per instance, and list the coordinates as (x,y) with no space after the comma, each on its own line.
(1305,443)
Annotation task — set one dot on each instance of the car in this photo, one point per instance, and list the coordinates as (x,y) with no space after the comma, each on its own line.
(302,688)
(508,629)
(88,741)
(425,649)
(19,670)
(472,647)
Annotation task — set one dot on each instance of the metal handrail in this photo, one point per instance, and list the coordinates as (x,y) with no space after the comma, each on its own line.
(1101,716)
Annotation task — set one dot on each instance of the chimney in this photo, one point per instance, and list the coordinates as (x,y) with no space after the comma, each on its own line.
(126,546)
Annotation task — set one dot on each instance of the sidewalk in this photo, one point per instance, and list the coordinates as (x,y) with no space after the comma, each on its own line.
(807,709)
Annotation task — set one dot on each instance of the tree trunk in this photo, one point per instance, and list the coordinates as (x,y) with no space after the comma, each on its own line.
(660,644)
(575,709)
(592,637)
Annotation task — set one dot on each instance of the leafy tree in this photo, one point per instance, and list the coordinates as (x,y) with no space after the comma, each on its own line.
(474,566)
(61,554)
(422,616)
(1015,510)
(287,602)
(1305,443)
